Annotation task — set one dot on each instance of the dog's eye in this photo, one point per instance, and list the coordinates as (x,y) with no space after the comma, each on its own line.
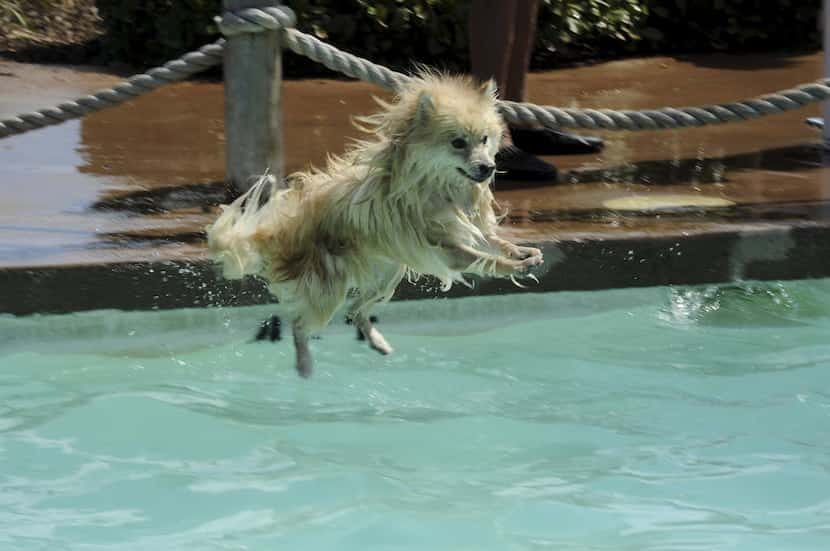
(459,143)
(484,140)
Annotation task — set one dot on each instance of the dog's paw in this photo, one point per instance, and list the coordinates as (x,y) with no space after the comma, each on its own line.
(529,262)
(523,253)
(523,268)
(378,342)
(509,267)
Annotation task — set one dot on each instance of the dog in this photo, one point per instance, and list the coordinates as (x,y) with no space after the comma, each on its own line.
(414,198)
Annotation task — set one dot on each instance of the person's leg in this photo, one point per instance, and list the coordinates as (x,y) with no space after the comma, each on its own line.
(538,141)
(524,36)
(492,24)
(492,29)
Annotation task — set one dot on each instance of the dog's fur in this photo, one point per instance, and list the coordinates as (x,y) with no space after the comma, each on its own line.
(413,199)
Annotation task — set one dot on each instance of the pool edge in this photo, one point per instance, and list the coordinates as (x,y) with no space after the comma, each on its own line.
(763,252)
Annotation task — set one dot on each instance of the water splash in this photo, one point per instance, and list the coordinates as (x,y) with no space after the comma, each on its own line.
(747,304)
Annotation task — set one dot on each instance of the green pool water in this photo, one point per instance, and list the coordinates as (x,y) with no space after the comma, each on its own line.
(652,419)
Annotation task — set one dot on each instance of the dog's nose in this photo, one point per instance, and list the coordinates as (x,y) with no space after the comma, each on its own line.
(482,171)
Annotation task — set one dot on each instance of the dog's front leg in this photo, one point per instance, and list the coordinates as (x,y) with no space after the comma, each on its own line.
(468,259)
(512,250)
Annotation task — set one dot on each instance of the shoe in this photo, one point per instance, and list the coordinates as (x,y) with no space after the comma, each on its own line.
(544,141)
(270,330)
(517,165)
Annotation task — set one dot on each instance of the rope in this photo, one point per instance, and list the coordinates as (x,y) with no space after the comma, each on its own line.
(254,20)
(173,71)
(342,62)
(275,18)
(667,117)
(262,19)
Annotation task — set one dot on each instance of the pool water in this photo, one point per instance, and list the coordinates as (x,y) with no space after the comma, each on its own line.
(650,419)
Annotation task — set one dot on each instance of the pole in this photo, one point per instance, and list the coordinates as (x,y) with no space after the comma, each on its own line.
(253,103)
(825,31)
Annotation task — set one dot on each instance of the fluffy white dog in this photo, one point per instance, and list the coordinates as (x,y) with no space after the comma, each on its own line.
(412,199)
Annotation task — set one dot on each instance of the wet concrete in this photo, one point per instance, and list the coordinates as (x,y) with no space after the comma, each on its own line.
(137,183)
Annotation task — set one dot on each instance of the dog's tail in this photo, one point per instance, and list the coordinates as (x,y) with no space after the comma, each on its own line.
(229,237)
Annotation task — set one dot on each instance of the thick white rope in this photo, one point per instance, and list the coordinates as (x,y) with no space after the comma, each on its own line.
(259,20)
(281,18)
(178,69)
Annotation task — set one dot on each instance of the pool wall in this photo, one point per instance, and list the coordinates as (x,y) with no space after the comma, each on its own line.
(757,253)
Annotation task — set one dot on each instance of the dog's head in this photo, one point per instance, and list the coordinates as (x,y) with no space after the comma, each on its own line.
(457,129)
(447,129)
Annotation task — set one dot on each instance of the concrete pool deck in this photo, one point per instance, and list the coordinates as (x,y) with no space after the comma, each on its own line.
(108,211)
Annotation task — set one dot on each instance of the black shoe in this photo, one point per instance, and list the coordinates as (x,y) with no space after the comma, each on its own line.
(544,141)
(517,165)
(270,330)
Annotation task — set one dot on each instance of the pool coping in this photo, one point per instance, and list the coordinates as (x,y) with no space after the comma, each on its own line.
(766,251)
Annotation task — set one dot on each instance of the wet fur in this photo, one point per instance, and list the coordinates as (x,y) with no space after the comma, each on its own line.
(401,203)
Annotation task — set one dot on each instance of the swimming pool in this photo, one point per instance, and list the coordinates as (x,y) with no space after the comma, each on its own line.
(659,419)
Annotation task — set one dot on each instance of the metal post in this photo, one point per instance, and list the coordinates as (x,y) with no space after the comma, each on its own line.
(253,103)
(825,32)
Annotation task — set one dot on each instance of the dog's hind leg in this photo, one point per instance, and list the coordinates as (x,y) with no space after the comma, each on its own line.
(359,310)
(304,363)
(376,339)
(313,306)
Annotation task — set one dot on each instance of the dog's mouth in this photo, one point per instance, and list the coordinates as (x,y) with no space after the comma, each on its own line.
(473,178)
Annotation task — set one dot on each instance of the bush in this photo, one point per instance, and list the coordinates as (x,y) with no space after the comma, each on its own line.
(392,32)
(705,25)
(399,33)
(151,32)
(569,30)
(396,33)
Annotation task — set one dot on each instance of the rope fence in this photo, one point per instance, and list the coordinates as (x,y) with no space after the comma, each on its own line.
(173,71)
(282,19)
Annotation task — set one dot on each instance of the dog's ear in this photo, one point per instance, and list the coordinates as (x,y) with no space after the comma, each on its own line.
(489,89)
(424,109)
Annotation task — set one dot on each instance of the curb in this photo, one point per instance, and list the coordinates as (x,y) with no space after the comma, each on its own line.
(762,252)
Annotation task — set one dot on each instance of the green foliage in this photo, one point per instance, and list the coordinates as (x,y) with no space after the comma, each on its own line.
(396,33)
(569,29)
(400,33)
(393,32)
(705,25)
(12,10)
(151,32)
